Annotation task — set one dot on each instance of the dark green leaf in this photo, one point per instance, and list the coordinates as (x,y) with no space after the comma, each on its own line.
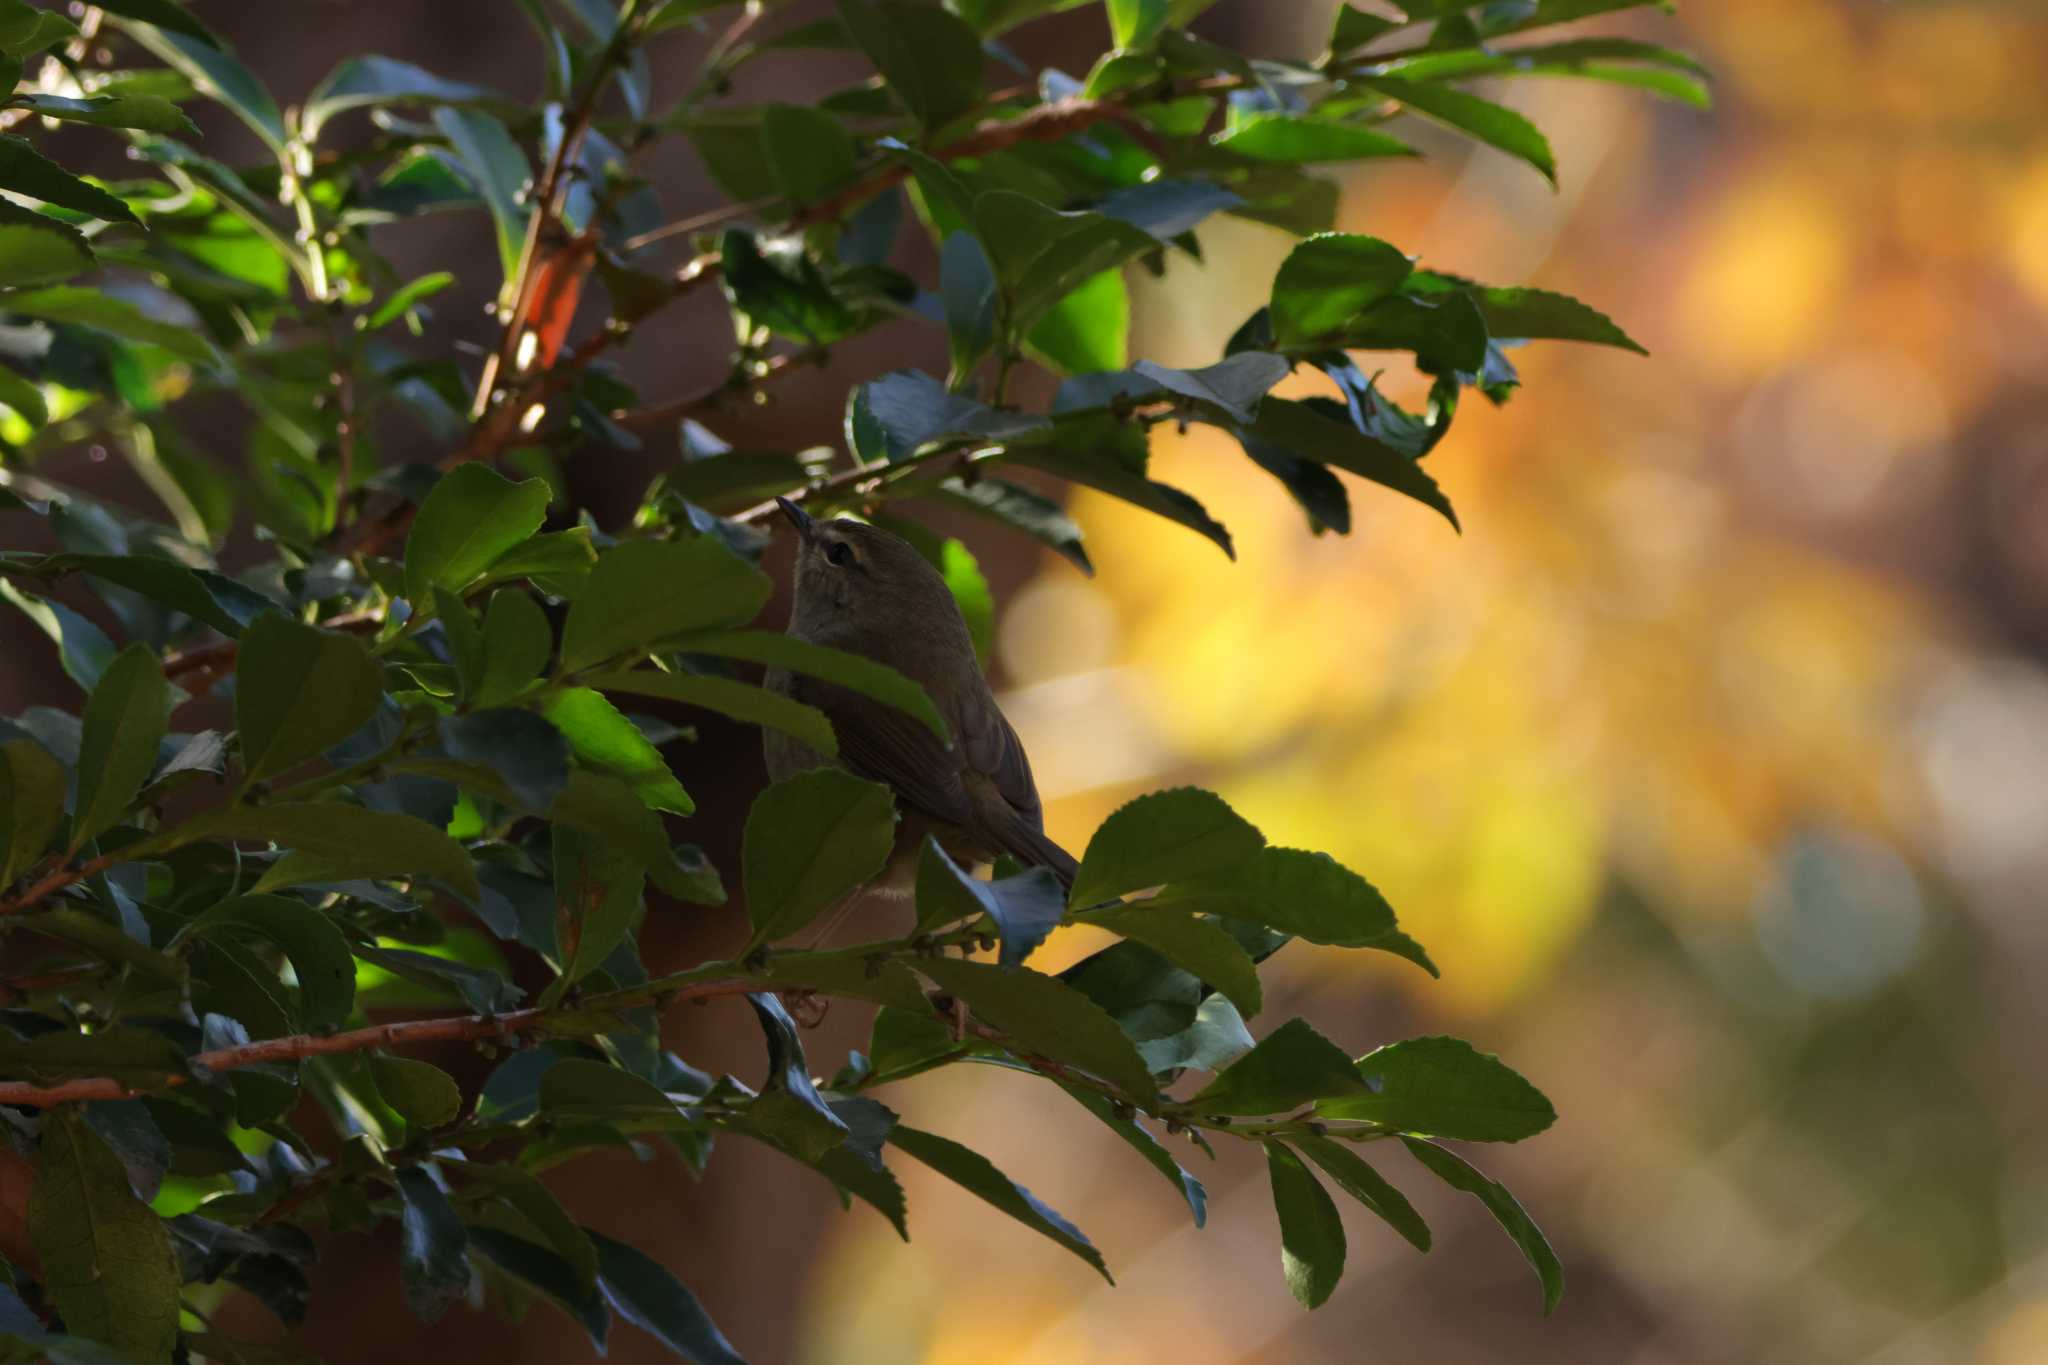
(810,152)
(649,1297)
(1534,314)
(124,723)
(916,411)
(1305,140)
(318,953)
(854,672)
(1107,455)
(1494,124)
(1329,279)
(116,316)
(517,641)
(1354,28)
(433,1246)
(978,1176)
(25,30)
(1456,1172)
(790,1110)
(1025,908)
(165,14)
(218,76)
(1192,943)
(31,805)
(523,1192)
(423,1095)
(337,842)
(1299,430)
(1042,255)
(1443,1087)
(25,170)
(106,1259)
(497,168)
(967,289)
(527,752)
(558,562)
(607,808)
(775,283)
(1366,1185)
(602,737)
(132,1057)
(299,690)
(930,59)
(482,990)
(1021,509)
(577,1090)
(1311,1233)
(205,596)
(1308,895)
(374,80)
(811,840)
(1214,1036)
(473,516)
(646,591)
(544,1270)
(1042,1014)
(151,113)
(1290,1067)
(597,898)
(18,393)
(83,647)
(732,481)
(1162,837)
(741,701)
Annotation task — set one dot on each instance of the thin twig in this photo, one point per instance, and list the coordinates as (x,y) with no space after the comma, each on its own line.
(740,381)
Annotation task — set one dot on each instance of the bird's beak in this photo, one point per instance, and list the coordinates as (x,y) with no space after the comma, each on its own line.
(798,517)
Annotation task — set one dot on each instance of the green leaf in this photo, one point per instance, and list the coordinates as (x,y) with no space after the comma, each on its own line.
(433,1247)
(1456,1172)
(578,1090)
(132,1057)
(1305,140)
(967,289)
(1089,329)
(105,313)
(25,170)
(1354,28)
(1089,454)
(741,701)
(1025,908)
(165,14)
(811,840)
(318,953)
(1146,1146)
(25,30)
(1311,1233)
(528,753)
(151,113)
(649,1297)
(1494,124)
(31,805)
(1366,1185)
(1534,314)
(1137,23)
(1043,1014)
(1162,837)
(298,690)
(1042,255)
(789,1110)
(1443,1087)
(124,723)
(472,516)
(220,77)
(775,283)
(809,152)
(82,646)
(735,480)
(1290,1067)
(1309,895)
(335,842)
(974,1173)
(916,412)
(1622,61)
(16,392)
(424,1096)
(855,672)
(1299,430)
(517,641)
(606,807)
(1519,18)
(408,297)
(646,591)
(1189,942)
(202,594)
(931,60)
(597,898)
(523,1192)
(1021,509)
(106,1258)
(497,168)
(1214,1037)
(373,80)
(542,1269)
(1329,279)
(558,562)
(602,737)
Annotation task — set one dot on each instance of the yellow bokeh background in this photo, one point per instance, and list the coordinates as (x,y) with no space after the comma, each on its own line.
(1710,763)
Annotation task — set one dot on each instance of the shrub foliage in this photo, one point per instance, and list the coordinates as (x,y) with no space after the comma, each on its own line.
(222,944)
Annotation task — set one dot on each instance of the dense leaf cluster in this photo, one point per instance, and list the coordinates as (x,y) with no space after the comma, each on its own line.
(438,781)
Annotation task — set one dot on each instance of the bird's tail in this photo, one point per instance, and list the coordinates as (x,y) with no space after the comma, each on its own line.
(1034,846)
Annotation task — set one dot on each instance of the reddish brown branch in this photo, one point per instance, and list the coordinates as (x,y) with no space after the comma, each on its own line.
(458,1028)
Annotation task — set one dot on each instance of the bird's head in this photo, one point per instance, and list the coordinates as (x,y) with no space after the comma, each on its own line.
(858,584)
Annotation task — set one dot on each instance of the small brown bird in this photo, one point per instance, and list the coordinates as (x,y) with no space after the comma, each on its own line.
(865,591)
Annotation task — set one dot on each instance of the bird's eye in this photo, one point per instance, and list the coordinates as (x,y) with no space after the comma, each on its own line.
(839,554)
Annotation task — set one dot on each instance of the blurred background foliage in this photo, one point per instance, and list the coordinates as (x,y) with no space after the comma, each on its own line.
(1711,762)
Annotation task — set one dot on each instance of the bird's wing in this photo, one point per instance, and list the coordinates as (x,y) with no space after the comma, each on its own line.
(993,750)
(880,742)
